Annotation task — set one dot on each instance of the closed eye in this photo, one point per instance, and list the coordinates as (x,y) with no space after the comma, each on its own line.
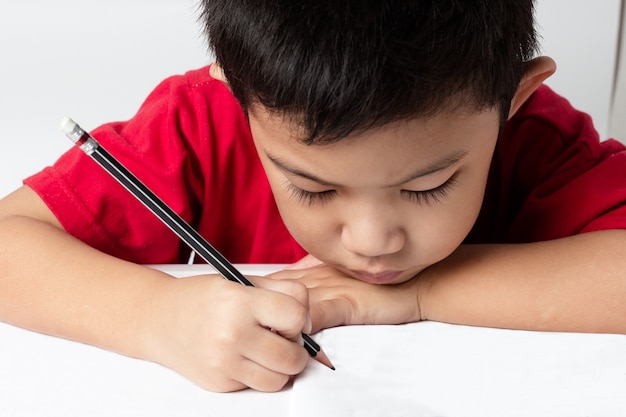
(434,195)
(310,197)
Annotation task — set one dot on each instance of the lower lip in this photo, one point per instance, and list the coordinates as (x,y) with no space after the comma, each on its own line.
(384,278)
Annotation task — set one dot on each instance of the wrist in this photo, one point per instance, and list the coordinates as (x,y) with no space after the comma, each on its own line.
(154,314)
(409,296)
(423,285)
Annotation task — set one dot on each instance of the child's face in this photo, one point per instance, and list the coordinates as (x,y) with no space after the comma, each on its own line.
(384,204)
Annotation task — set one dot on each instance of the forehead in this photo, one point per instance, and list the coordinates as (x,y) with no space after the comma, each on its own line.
(385,154)
(441,130)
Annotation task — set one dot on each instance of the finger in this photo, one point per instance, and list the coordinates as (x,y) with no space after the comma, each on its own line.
(330,313)
(260,378)
(281,312)
(287,274)
(221,385)
(307,275)
(308,261)
(293,289)
(275,353)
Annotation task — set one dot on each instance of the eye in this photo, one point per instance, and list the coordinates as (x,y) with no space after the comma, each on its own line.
(434,195)
(310,197)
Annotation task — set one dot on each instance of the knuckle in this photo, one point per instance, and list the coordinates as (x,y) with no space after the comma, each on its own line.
(295,289)
(225,334)
(299,290)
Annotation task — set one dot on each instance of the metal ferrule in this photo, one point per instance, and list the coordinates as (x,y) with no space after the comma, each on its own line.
(89,145)
(82,139)
(76,135)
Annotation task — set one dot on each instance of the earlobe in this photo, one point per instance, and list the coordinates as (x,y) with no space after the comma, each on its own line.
(537,71)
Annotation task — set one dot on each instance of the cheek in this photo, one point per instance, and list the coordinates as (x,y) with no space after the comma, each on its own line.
(307,225)
(438,234)
(313,230)
(316,229)
(311,226)
(440,229)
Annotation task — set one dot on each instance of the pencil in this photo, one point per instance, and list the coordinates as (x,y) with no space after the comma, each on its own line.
(169,217)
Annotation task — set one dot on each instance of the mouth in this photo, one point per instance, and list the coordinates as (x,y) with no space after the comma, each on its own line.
(386,277)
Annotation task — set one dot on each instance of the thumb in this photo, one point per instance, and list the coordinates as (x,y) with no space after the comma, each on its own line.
(329,313)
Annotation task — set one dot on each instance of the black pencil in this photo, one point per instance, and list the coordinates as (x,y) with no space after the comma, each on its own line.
(169,217)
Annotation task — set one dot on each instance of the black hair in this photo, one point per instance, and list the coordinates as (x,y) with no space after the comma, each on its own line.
(340,66)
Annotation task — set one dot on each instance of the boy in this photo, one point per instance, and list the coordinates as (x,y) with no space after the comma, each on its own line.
(405,151)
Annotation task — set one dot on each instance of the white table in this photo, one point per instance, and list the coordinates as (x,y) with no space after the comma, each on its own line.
(422,369)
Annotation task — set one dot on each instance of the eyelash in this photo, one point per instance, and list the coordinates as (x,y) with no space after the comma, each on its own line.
(434,195)
(309,197)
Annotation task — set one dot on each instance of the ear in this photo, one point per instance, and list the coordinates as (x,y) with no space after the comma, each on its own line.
(537,71)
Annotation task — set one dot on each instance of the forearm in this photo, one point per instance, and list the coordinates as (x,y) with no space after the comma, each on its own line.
(55,284)
(572,284)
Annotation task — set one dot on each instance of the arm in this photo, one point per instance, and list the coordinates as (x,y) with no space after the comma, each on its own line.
(575,284)
(55,284)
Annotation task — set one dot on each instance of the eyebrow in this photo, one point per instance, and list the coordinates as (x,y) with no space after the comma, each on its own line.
(437,166)
(283,166)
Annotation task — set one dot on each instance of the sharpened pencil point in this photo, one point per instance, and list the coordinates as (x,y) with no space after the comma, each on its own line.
(323,359)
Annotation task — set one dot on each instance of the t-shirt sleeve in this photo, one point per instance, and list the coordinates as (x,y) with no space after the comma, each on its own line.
(554,177)
(158,145)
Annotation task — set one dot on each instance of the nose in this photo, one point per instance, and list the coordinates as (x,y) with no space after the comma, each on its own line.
(372,233)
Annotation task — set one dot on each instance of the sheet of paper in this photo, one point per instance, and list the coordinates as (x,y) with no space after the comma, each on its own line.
(434,369)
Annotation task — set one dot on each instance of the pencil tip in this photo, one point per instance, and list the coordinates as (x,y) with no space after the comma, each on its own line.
(323,359)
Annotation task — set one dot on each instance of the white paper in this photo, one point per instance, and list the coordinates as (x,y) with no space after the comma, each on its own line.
(434,369)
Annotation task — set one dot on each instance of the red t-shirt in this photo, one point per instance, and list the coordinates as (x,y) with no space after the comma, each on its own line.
(190,143)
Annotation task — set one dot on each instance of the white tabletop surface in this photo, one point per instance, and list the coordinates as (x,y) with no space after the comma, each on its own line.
(421,369)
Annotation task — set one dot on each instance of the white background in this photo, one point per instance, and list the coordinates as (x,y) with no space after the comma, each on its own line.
(97,60)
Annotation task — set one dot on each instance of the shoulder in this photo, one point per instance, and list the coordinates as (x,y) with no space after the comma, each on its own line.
(190,112)
(546,111)
(552,176)
(549,134)
(194,92)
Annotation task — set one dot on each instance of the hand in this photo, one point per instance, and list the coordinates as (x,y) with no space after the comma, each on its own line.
(225,336)
(336,299)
